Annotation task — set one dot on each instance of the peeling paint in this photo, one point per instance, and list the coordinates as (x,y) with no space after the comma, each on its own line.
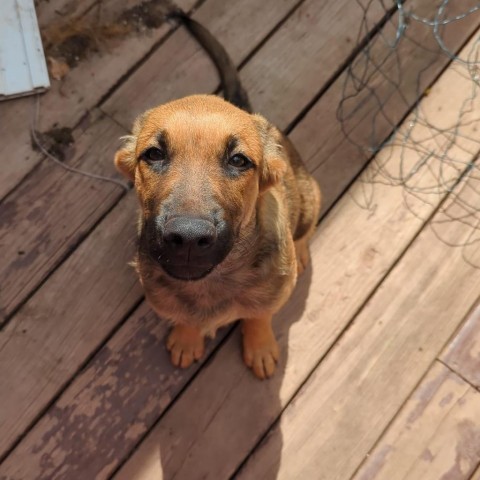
(110,406)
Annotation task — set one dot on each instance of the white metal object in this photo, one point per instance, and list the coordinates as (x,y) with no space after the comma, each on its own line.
(23,69)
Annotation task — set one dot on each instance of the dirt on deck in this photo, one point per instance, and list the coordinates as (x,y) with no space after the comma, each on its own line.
(71,40)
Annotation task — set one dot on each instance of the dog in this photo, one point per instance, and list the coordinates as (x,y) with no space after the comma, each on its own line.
(227,211)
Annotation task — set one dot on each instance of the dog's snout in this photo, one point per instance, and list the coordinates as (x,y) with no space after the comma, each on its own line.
(187,247)
(189,234)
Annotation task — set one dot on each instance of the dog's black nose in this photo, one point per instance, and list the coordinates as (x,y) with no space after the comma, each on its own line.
(186,235)
(187,247)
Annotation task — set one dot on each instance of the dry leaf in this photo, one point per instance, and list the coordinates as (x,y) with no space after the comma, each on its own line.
(58,69)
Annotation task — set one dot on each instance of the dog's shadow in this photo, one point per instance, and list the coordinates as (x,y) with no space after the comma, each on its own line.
(217,437)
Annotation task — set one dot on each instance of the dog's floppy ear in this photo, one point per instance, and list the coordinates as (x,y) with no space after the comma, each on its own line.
(274,163)
(125,160)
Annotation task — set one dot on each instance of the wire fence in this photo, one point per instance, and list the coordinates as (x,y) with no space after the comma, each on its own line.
(425,60)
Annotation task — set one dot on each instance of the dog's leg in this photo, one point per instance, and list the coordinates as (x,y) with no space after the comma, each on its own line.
(186,344)
(260,349)
(302,249)
(302,252)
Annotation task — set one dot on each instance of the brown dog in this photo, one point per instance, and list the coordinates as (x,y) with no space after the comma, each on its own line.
(227,212)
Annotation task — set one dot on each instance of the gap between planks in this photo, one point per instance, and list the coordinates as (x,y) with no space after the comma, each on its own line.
(462,352)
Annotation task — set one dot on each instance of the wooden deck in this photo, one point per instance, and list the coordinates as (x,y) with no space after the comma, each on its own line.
(380,366)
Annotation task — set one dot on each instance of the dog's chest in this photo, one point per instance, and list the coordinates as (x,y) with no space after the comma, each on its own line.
(213,303)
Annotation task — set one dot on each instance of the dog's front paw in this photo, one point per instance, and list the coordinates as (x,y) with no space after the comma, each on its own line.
(260,349)
(186,345)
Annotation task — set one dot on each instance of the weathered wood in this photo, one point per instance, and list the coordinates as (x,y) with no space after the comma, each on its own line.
(435,435)
(52,210)
(350,398)
(49,11)
(282,77)
(68,100)
(462,354)
(67,319)
(351,253)
(111,404)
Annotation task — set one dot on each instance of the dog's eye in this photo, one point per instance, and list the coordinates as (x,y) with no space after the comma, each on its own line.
(239,161)
(153,155)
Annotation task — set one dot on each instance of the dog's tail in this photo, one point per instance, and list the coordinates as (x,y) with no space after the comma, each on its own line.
(231,85)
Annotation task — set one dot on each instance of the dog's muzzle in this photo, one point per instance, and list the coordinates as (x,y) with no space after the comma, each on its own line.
(189,248)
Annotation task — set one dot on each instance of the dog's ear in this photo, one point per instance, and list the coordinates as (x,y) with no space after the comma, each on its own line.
(274,163)
(125,160)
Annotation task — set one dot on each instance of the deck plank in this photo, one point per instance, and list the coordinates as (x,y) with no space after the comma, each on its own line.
(15,133)
(49,11)
(52,211)
(66,320)
(436,434)
(299,58)
(190,438)
(463,353)
(182,67)
(111,404)
(69,100)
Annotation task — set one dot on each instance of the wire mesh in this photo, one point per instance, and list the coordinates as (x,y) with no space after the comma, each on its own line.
(411,102)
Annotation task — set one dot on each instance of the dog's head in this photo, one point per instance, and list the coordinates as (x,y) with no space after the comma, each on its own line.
(199,165)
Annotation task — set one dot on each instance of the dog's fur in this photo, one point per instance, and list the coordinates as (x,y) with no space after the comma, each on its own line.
(271,209)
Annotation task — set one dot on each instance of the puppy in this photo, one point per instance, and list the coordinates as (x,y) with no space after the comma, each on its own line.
(227,210)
